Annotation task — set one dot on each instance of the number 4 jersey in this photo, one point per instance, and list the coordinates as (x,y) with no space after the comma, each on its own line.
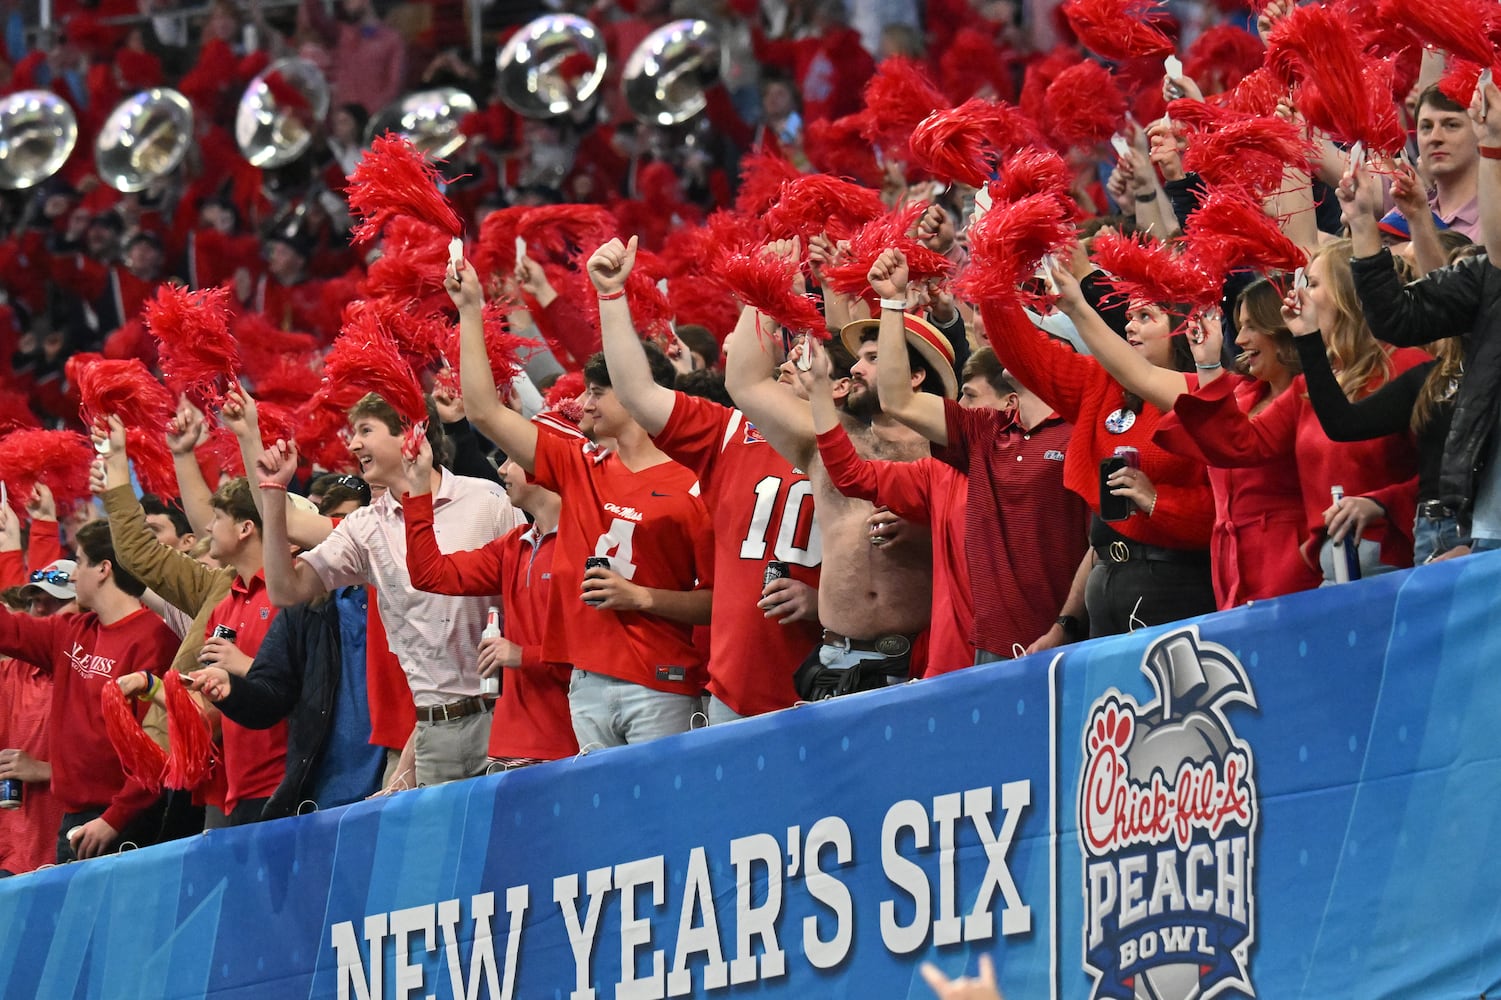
(654,529)
(763,511)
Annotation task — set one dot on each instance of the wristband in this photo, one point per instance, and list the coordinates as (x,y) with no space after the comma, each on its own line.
(271,486)
(1209,368)
(900,305)
(612,296)
(1490,152)
(1144,199)
(153,683)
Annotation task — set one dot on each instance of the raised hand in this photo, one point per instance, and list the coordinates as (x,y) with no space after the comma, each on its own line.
(187,430)
(418,470)
(1299,312)
(462,285)
(611,265)
(277,464)
(888,275)
(239,414)
(41,506)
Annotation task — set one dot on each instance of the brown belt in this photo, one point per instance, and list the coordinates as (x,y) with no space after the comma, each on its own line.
(460,709)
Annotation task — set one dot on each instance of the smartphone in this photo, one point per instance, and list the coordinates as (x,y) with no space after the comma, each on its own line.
(1113,508)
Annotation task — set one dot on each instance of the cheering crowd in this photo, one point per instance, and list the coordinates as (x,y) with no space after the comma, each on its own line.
(950,380)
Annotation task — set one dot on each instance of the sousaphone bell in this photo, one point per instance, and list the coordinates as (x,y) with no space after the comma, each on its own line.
(666,77)
(38,131)
(551,67)
(429,118)
(280,113)
(144,139)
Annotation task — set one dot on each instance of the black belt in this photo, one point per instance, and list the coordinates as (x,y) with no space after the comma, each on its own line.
(460,709)
(1122,551)
(1435,509)
(886,645)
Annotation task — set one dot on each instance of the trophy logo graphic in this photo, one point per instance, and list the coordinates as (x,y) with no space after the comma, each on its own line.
(1167,823)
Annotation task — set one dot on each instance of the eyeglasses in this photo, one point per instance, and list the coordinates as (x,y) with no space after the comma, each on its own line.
(355,485)
(58,576)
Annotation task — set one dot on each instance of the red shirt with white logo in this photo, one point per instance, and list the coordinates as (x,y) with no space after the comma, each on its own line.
(255,760)
(762,511)
(654,529)
(83,655)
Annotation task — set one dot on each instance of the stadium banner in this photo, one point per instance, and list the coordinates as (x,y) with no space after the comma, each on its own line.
(1298,799)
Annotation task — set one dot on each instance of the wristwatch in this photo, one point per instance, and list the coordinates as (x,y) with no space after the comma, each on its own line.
(1072,627)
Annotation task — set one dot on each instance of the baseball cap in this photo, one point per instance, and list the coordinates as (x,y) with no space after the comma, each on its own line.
(54,579)
(1393,224)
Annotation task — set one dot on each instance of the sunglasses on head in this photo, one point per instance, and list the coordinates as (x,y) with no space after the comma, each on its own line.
(58,576)
(355,485)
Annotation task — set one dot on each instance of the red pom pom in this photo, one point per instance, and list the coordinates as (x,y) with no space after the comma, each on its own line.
(722,233)
(1459,27)
(59,460)
(365,359)
(817,203)
(501,347)
(763,282)
(966,142)
(192,758)
(1256,94)
(412,262)
(1039,76)
(1140,269)
(837,148)
(1229,231)
(392,180)
(651,314)
(414,332)
(1249,154)
(705,302)
(125,389)
(562,233)
(14,413)
(1339,90)
(562,397)
(900,95)
(1116,29)
(1459,81)
(891,231)
(762,175)
(290,382)
(321,425)
(1029,171)
(1007,244)
(973,65)
(1221,57)
(140,758)
(199,357)
(1083,105)
(495,251)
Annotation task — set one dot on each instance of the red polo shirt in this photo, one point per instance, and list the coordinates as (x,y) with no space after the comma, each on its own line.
(254,759)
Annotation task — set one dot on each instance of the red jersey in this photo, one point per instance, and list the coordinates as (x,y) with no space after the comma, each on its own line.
(83,655)
(531,717)
(1027,531)
(28,835)
(655,531)
(255,760)
(924,492)
(762,511)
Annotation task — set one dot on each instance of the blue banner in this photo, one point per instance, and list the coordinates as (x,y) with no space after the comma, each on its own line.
(1298,799)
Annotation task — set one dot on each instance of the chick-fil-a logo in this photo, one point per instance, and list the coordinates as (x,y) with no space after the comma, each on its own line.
(1167,817)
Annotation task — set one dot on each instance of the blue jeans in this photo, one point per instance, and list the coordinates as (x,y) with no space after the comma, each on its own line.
(611,713)
(1485,544)
(1433,536)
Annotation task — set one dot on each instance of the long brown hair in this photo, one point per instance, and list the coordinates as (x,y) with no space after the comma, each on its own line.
(1358,359)
(1442,381)
(1263,305)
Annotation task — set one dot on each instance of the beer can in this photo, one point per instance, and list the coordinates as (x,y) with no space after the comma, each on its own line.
(602,562)
(775,571)
(1130,454)
(12,791)
(224,632)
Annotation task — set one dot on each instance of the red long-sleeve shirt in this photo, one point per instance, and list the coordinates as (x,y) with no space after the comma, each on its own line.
(28,835)
(83,655)
(532,717)
(925,491)
(1384,469)
(1084,394)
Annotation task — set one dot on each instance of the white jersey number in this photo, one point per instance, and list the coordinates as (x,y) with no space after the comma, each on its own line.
(616,545)
(785,549)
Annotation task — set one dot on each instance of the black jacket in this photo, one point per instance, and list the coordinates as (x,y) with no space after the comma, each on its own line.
(295,676)
(1462,300)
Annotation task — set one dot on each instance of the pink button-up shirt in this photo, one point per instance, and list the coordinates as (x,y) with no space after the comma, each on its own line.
(435,638)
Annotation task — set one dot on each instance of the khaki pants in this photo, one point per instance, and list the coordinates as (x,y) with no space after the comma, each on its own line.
(453,750)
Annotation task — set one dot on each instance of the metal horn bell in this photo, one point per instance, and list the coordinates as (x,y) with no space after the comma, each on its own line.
(280,112)
(552,66)
(429,118)
(665,78)
(144,139)
(38,131)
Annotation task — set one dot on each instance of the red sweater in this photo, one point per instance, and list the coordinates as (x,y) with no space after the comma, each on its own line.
(532,717)
(82,656)
(1084,394)
(924,492)
(1384,469)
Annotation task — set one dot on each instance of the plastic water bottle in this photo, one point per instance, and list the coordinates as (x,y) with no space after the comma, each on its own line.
(1346,554)
(489,687)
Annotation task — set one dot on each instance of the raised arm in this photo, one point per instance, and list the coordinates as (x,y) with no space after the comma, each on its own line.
(289,581)
(1388,410)
(475,573)
(187,432)
(784,421)
(921,411)
(516,435)
(630,374)
(304,527)
(1488,132)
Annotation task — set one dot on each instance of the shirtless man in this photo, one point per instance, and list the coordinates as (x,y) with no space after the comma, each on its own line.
(873,594)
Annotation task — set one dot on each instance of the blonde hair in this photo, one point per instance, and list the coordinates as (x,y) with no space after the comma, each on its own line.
(1357,358)
(1443,378)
